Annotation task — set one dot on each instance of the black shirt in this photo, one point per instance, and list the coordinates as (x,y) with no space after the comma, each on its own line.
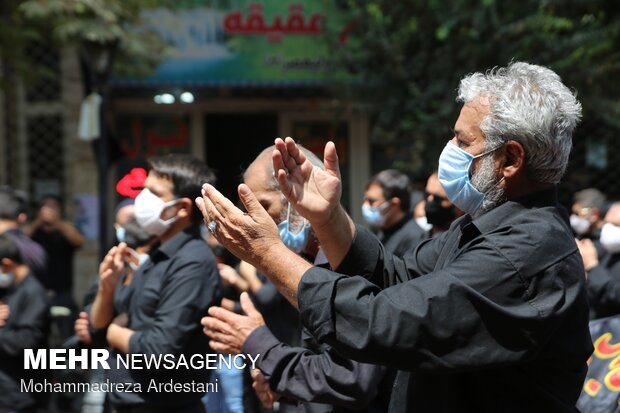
(316,373)
(491,316)
(26,327)
(401,237)
(165,301)
(60,252)
(604,287)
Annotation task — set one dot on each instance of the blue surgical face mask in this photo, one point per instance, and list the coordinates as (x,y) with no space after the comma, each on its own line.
(453,173)
(142,258)
(6,279)
(374,215)
(120,234)
(295,242)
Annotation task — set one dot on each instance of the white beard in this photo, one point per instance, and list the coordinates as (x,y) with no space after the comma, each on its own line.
(486,181)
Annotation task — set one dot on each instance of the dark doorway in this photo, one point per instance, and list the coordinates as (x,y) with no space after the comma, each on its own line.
(233,141)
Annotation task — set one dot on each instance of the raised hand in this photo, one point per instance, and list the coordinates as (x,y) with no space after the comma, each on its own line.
(248,236)
(229,276)
(82,329)
(314,192)
(227,330)
(111,268)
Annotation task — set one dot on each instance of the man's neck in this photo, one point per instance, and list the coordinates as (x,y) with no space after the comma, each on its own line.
(523,188)
(21,272)
(6,225)
(394,219)
(175,229)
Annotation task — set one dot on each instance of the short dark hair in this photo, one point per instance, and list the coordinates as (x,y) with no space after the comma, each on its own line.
(394,184)
(12,203)
(590,198)
(187,174)
(9,249)
(135,235)
(53,197)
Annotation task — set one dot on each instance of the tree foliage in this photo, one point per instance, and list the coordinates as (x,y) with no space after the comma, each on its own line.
(410,54)
(76,22)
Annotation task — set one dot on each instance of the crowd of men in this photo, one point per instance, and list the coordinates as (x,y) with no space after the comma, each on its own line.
(474,299)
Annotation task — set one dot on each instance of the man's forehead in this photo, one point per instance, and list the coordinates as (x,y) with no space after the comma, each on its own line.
(433,186)
(613,215)
(374,189)
(158,182)
(472,114)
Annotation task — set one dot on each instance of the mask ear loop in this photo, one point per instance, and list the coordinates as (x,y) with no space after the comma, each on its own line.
(288,220)
(288,217)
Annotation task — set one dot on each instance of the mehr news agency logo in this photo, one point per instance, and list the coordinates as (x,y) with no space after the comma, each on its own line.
(62,359)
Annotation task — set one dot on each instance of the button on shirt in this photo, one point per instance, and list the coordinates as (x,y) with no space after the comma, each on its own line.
(491,316)
(165,301)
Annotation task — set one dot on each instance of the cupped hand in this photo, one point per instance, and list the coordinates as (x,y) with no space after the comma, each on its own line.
(229,276)
(111,268)
(248,236)
(227,330)
(82,329)
(314,192)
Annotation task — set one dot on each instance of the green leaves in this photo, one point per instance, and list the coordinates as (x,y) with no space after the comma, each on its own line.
(411,54)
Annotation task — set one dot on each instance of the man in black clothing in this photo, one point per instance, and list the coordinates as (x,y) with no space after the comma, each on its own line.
(24,321)
(60,239)
(587,213)
(159,311)
(440,212)
(315,375)
(386,207)
(492,315)
(13,214)
(603,273)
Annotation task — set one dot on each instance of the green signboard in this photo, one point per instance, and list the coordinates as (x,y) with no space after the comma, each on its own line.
(271,42)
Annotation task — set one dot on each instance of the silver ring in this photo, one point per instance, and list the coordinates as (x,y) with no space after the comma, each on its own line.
(212,226)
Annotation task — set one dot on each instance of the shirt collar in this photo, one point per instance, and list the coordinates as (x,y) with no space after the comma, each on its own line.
(493,218)
(173,245)
(398,225)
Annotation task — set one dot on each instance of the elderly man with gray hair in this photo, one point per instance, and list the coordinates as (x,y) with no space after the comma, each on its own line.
(492,315)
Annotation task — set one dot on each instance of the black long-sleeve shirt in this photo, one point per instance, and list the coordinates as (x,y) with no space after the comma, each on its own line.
(165,301)
(491,316)
(604,287)
(26,327)
(316,373)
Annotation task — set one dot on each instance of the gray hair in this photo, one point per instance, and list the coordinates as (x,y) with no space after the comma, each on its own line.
(531,105)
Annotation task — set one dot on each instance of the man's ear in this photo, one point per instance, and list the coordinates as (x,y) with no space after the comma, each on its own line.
(514,159)
(6,263)
(396,202)
(186,208)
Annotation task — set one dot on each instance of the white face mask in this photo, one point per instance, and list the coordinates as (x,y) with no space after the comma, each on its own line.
(610,238)
(579,224)
(148,208)
(423,223)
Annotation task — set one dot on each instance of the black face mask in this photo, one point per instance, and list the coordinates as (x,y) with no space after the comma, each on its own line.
(438,215)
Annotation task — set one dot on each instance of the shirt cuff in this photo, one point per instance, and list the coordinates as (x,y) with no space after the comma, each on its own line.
(315,295)
(259,342)
(362,257)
